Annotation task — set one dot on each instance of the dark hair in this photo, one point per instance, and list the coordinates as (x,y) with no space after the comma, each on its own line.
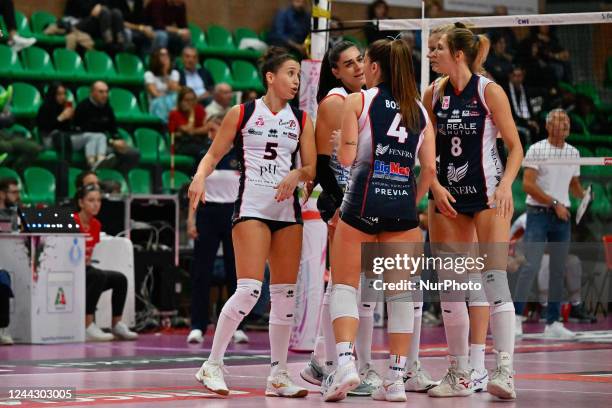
(6,182)
(183,92)
(327,79)
(274,58)
(155,65)
(82,192)
(50,96)
(372,7)
(78,182)
(395,62)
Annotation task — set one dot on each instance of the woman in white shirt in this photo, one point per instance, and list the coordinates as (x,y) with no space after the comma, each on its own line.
(161,83)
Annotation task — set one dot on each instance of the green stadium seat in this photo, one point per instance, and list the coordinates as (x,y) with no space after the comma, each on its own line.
(243,32)
(603,152)
(20,130)
(26,100)
(219,71)
(113,175)
(154,150)
(73,173)
(38,64)
(140,181)
(519,196)
(6,172)
(22,25)
(246,76)
(129,68)
(40,20)
(354,40)
(197,38)
(100,66)
(590,91)
(69,65)
(219,42)
(585,151)
(11,66)
(82,93)
(601,206)
(40,185)
(125,135)
(180,179)
(126,108)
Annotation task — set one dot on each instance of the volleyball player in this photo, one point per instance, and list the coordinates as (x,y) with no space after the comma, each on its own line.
(459,322)
(268,134)
(383,131)
(473,190)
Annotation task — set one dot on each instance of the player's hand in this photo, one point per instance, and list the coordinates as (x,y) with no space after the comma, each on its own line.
(308,188)
(192,231)
(197,191)
(502,201)
(334,220)
(287,186)
(562,212)
(443,199)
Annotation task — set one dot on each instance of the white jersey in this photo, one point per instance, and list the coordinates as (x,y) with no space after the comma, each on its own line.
(267,145)
(341,173)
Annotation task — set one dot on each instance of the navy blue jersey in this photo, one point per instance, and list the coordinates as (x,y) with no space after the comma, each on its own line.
(469,167)
(382,182)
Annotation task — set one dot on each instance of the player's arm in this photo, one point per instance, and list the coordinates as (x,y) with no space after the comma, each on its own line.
(328,120)
(576,188)
(347,151)
(427,159)
(428,104)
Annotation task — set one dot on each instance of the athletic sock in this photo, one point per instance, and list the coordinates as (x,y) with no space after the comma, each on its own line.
(344,350)
(363,342)
(477,356)
(397,367)
(279,346)
(226,326)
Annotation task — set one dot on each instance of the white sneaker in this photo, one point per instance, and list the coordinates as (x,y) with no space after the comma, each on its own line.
(518,326)
(340,381)
(417,379)
(281,385)
(122,332)
(240,337)
(454,384)
(479,380)
(502,380)
(195,336)
(94,333)
(18,43)
(370,380)
(313,373)
(558,331)
(210,375)
(392,391)
(5,337)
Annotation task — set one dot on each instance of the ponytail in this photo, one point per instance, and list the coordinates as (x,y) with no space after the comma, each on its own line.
(403,86)
(482,45)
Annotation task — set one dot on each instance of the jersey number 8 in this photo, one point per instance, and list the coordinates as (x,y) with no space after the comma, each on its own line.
(456,146)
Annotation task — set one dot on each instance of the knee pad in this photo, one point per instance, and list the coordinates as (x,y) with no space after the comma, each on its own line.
(366,309)
(343,302)
(502,307)
(495,284)
(282,298)
(476,297)
(243,300)
(400,309)
(455,313)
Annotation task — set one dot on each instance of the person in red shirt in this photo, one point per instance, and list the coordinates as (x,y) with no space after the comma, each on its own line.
(187,122)
(88,200)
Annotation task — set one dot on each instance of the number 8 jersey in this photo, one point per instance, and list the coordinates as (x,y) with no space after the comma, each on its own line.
(382,182)
(267,145)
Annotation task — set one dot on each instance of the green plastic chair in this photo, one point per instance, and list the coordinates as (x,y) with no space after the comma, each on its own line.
(519,196)
(73,173)
(140,181)
(26,100)
(585,151)
(126,108)
(11,66)
(39,21)
(125,135)
(246,76)
(589,90)
(154,150)
(23,28)
(197,38)
(219,71)
(82,93)
(40,184)
(20,130)
(7,172)
(99,66)
(219,42)
(603,152)
(69,65)
(113,175)
(243,32)
(38,63)
(180,179)
(601,206)
(129,68)
(354,40)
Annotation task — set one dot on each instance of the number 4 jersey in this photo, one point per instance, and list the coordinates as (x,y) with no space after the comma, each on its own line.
(267,145)
(382,182)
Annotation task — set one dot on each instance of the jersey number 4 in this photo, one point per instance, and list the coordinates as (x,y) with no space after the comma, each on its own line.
(271,152)
(396,130)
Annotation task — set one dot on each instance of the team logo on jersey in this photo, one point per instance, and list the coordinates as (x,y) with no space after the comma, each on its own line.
(272,133)
(254,132)
(290,135)
(455,116)
(289,123)
(445,102)
(380,149)
(468,113)
(472,104)
(442,115)
(455,174)
(392,170)
(260,121)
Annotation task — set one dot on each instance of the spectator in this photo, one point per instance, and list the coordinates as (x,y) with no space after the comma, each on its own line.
(10,193)
(88,177)
(187,124)
(521,105)
(499,62)
(18,151)
(88,202)
(249,95)
(504,32)
(5,294)
(54,120)
(15,41)
(556,56)
(137,32)
(161,83)
(335,34)
(97,20)
(539,75)
(377,10)
(169,20)
(290,28)
(196,78)
(222,100)
(94,115)
(586,119)
(548,219)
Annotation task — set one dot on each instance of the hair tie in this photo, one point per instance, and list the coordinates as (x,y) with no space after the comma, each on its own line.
(476,38)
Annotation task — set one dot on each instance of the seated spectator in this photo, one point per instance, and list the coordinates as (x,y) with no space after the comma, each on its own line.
(94,115)
(505,32)
(187,124)
(222,100)
(290,28)
(97,20)
(97,281)
(585,118)
(499,62)
(15,41)
(54,122)
(521,105)
(17,150)
(88,177)
(161,83)
(5,294)
(377,10)
(196,78)
(137,32)
(538,74)
(10,193)
(169,20)
(553,52)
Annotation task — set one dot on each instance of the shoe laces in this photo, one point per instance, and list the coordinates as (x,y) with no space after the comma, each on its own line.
(450,377)
(371,377)
(216,369)
(282,376)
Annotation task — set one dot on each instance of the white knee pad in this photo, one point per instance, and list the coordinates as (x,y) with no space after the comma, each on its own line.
(343,302)
(282,299)
(366,309)
(476,297)
(401,313)
(495,284)
(502,307)
(455,313)
(243,300)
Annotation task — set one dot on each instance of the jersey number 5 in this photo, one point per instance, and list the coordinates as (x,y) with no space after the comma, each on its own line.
(396,130)
(271,151)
